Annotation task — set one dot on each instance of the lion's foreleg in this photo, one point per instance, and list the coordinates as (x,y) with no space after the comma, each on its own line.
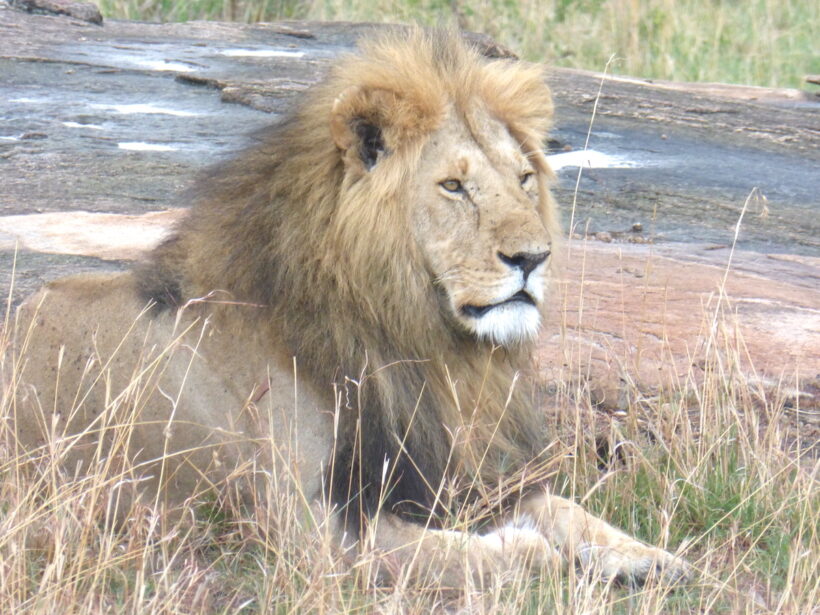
(455,559)
(596,545)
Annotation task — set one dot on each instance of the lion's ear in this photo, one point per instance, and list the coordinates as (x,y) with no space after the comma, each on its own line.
(357,124)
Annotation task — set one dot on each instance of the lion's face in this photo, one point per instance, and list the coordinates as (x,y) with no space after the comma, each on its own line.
(448,160)
(477,223)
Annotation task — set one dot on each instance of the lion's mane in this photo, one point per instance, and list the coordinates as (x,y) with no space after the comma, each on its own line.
(327,266)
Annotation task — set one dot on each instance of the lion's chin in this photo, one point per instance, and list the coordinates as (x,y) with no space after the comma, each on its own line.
(507,324)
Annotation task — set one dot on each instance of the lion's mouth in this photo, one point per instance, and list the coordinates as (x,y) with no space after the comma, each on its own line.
(477,311)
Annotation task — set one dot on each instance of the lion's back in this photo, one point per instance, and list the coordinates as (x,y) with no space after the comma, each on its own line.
(94,359)
(69,321)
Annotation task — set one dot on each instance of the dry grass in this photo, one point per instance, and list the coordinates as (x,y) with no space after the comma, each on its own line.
(755,42)
(704,464)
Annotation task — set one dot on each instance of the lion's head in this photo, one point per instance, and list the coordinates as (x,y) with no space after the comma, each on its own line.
(457,140)
(392,232)
(478,224)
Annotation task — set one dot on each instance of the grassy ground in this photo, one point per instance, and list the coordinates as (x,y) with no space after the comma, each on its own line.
(705,466)
(753,42)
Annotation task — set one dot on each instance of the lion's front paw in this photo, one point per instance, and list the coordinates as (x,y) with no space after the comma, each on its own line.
(517,544)
(634,563)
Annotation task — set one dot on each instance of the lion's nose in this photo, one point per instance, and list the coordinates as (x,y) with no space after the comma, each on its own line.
(525,261)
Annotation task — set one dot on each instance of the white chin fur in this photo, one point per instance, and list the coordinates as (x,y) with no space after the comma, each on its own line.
(508,324)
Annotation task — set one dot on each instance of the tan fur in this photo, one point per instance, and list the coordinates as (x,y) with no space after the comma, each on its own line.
(358,262)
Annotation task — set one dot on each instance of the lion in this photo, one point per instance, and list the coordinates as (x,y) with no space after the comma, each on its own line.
(368,279)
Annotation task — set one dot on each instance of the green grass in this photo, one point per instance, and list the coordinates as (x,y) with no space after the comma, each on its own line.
(755,42)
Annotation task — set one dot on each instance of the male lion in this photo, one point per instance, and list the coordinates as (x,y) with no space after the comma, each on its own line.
(387,246)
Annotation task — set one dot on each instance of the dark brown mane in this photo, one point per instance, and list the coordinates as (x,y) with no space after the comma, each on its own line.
(332,271)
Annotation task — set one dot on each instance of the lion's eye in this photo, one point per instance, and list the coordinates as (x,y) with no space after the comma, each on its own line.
(452,185)
(526,178)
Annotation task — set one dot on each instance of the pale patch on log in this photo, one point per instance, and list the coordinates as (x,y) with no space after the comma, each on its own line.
(589,159)
(105,236)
